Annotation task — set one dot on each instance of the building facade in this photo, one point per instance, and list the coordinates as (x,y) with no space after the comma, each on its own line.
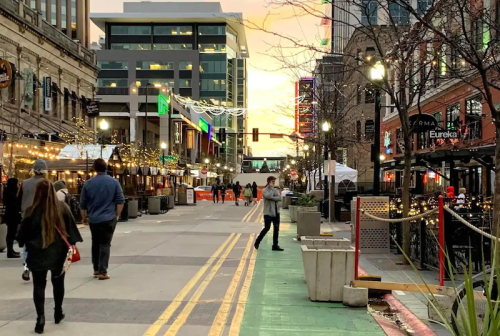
(69,16)
(47,81)
(199,55)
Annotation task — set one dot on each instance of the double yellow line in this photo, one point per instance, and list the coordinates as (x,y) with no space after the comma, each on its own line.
(252,212)
(223,313)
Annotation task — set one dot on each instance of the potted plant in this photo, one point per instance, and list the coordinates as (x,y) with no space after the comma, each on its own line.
(308,218)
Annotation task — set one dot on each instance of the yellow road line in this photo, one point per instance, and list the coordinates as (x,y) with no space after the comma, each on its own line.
(250,214)
(221,318)
(184,314)
(242,299)
(256,212)
(153,329)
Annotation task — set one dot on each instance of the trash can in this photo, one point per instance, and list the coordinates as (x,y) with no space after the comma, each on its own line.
(124,214)
(171,201)
(133,208)
(154,205)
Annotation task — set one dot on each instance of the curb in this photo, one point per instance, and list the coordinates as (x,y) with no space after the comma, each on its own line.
(419,328)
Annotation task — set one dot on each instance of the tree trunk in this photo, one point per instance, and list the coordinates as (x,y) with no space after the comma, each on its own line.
(405,197)
(331,197)
(496,194)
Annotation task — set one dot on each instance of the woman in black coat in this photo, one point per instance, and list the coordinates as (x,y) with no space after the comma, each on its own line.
(42,230)
(254,192)
(12,215)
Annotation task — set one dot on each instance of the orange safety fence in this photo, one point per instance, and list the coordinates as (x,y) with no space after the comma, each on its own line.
(202,195)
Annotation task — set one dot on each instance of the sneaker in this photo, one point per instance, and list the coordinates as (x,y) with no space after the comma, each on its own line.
(277,248)
(104,277)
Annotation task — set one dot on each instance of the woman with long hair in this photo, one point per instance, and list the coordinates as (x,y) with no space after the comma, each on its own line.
(12,215)
(42,230)
(255,190)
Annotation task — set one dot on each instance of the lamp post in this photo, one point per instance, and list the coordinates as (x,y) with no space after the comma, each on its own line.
(377,73)
(103,126)
(163,147)
(326,129)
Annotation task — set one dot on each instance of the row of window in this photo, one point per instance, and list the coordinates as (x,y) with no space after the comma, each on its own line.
(168,30)
(398,14)
(208,48)
(144,65)
(142,82)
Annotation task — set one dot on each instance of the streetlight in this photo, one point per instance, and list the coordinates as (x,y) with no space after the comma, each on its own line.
(382,157)
(265,159)
(217,164)
(293,161)
(306,147)
(326,129)
(377,74)
(326,126)
(207,161)
(225,167)
(163,147)
(231,169)
(288,166)
(103,126)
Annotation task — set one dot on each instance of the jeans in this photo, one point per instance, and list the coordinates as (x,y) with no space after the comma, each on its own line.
(267,226)
(39,284)
(102,234)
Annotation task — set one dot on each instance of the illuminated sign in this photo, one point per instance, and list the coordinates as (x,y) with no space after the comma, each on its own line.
(190,139)
(163,104)
(204,125)
(387,139)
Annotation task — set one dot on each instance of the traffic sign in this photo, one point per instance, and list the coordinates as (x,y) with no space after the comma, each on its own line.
(204,170)
(293,174)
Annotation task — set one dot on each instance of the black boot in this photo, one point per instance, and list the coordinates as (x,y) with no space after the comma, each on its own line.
(58,316)
(40,324)
(277,248)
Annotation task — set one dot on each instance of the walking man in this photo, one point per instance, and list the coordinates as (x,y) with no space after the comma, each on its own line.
(215,191)
(101,204)
(272,199)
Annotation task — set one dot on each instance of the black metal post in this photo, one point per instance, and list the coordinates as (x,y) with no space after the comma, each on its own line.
(325,156)
(144,137)
(376,145)
(163,158)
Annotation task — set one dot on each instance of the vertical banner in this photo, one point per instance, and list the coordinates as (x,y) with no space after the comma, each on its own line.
(28,86)
(190,139)
(178,132)
(47,94)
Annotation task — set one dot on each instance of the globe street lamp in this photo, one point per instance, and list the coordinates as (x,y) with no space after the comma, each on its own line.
(326,129)
(377,74)
(306,147)
(293,162)
(103,126)
(207,161)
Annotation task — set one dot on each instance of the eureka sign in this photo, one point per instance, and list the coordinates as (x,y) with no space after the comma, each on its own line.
(163,104)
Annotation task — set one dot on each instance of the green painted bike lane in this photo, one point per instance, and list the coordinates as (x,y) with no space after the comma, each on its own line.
(278,304)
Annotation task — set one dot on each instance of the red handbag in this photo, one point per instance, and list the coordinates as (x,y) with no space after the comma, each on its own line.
(74,256)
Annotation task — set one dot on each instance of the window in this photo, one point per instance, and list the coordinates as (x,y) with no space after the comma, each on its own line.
(473,118)
(358,130)
(212,30)
(477,33)
(232,36)
(186,65)
(212,48)
(112,82)
(154,65)
(453,117)
(173,30)
(359,94)
(112,65)
(185,83)
(130,30)
(131,46)
(213,66)
(369,96)
(213,84)
(398,14)
(423,6)
(172,46)
(439,118)
(142,82)
(369,12)
(399,141)
(422,140)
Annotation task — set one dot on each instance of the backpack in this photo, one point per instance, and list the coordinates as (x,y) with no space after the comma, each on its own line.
(74,205)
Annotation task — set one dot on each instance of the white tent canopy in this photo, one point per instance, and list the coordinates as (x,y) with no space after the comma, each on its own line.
(80,152)
(345,177)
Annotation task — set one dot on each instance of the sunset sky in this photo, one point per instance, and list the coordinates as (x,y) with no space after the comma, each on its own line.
(270,87)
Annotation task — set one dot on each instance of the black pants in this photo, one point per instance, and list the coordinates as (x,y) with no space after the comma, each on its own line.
(236,198)
(267,226)
(216,197)
(11,236)
(223,196)
(102,234)
(39,284)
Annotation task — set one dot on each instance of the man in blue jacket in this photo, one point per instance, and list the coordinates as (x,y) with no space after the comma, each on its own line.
(101,204)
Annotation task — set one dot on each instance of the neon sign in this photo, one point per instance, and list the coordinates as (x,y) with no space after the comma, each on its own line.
(204,125)
(163,104)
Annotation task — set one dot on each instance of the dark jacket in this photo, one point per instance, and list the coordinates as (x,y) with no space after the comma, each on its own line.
(51,258)
(237,189)
(222,189)
(100,195)
(12,208)
(215,189)
(254,191)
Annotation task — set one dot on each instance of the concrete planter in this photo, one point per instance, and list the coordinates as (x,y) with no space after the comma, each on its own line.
(293,213)
(306,209)
(3,236)
(133,208)
(308,223)
(182,199)
(286,201)
(327,271)
(154,205)
(325,241)
(171,201)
